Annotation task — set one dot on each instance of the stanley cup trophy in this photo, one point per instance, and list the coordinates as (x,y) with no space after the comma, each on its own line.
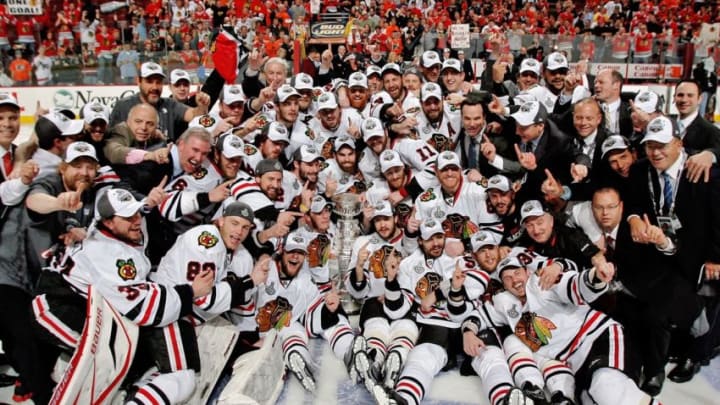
(347,207)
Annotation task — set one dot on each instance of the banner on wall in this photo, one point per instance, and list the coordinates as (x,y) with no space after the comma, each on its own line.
(24,7)
(460,36)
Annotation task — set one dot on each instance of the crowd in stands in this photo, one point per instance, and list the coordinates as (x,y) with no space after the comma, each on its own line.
(81,42)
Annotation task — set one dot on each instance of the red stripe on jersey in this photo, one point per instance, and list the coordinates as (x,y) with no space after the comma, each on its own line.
(575,290)
(499,394)
(151,305)
(123,372)
(142,392)
(242,186)
(550,369)
(581,335)
(292,341)
(412,387)
(518,362)
(175,347)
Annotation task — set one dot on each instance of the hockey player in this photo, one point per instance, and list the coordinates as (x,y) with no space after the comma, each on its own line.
(341,173)
(291,303)
(438,123)
(559,327)
(112,260)
(331,122)
(389,341)
(320,231)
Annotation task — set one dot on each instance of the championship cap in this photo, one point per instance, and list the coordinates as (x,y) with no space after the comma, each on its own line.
(302,81)
(358,79)
(327,101)
(239,209)
(510,262)
(429,228)
(267,166)
(178,74)
(371,127)
(430,59)
(207,122)
(148,69)
(95,111)
(117,201)
(8,99)
(555,61)
(389,159)
(647,101)
(614,142)
(662,130)
(373,70)
(446,159)
(319,203)
(391,67)
(452,63)
(500,183)
(532,112)
(231,146)
(484,238)
(382,209)
(80,149)
(530,65)
(430,89)
(294,242)
(344,140)
(276,132)
(233,93)
(307,154)
(531,208)
(284,92)
(65,125)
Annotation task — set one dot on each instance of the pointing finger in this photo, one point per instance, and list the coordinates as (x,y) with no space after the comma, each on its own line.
(163,182)
(518,152)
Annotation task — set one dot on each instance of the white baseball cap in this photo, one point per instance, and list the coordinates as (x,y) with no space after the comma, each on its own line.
(446,159)
(430,59)
(373,70)
(327,101)
(7,98)
(344,140)
(389,159)
(499,182)
(302,81)
(276,132)
(231,146)
(284,92)
(66,125)
(556,60)
(307,154)
(80,149)
(429,228)
(371,127)
(178,74)
(484,238)
(430,89)
(319,203)
(95,111)
(233,93)
(661,129)
(148,69)
(532,112)
(530,65)
(295,241)
(531,208)
(117,202)
(510,262)
(208,122)
(614,142)
(358,79)
(452,63)
(647,101)
(382,209)
(391,67)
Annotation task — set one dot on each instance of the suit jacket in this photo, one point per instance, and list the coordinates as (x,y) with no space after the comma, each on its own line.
(598,170)
(697,209)
(702,135)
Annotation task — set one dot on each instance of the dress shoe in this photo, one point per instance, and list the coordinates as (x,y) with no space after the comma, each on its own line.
(653,385)
(684,371)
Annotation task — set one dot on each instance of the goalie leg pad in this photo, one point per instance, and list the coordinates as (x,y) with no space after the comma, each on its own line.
(173,347)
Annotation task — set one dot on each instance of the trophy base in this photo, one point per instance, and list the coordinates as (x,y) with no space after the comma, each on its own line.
(350,305)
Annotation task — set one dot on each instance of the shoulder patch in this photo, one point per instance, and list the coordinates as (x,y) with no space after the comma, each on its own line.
(483,182)
(428,195)
(207,240)
(310,133)
(126,269)
(249,150)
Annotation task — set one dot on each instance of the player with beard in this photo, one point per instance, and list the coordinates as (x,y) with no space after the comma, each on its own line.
(501,201)
(319,229)
(460,205)
(270,143)
(261,193)
(341,174)
(150,84)
(228,156)
(291,303)
(395,106)
(376,142)
(359,93)
(303,83)
(438,123)
(389,341)
(421,285)
(332,122)
(300,184)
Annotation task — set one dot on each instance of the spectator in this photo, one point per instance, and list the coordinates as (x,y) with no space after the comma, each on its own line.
(20,70)
(127,61)
(43,67)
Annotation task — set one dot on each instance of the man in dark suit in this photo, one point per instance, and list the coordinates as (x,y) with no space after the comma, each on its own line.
(686,212)
(608,89)
(701,138)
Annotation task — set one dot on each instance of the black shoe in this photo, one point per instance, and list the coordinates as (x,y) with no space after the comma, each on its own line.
(451,363)
(7,380)
(684,371)
(558,398)
(534,392)
(653,385)
(466,367)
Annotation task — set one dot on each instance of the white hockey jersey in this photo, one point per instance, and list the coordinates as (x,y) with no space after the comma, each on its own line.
(346,182)
(441,136)
(410,104)
(243,314)
(373,284)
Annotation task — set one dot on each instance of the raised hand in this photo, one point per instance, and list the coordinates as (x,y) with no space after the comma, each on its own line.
(157,194)
(488,149)
(549,275)
(332,300)
(551,188)
(578,172)
(526,159)
(605,272)
(653,233)
(220,192)
(458,277)
(260,271)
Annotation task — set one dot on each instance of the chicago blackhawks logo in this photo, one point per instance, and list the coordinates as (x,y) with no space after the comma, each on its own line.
(427,284)
(382,259)
(459,226)
(249,150)
(319,251)
(206,121)
(429,195)
(275,314)
(207,240)
(126,269)
(200,173)
(535,331)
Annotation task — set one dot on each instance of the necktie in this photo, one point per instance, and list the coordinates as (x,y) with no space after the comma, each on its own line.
(667,193)
(472,154)
(7,163)
(528,147)
(609,247)
(681,128)
(608,121)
